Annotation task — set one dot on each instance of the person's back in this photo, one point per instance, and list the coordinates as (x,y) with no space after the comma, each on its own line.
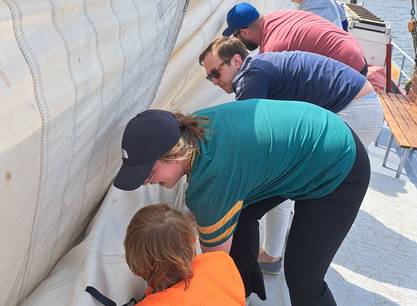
(299,30)
(263,128)
(216,281)
(297,75)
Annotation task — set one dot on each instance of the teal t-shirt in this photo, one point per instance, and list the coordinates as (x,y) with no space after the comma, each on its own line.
(257,149)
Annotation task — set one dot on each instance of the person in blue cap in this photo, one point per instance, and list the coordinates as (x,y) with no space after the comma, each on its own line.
(242,16)
(290,30)
(241,160)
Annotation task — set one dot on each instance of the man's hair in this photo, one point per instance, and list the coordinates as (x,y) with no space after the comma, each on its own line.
(225,48)
(159,246)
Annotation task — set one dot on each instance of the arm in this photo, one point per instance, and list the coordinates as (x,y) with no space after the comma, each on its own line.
(216,227)
(225,246)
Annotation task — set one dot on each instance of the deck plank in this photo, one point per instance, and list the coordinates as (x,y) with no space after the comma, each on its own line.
(406,108)
(394,120)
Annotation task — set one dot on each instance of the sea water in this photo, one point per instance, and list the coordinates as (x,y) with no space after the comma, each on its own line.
(397,14)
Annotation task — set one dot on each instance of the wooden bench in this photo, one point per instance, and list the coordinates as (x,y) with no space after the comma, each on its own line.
(400,113)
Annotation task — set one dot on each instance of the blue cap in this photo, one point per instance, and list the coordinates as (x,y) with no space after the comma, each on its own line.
(240,16)
(146,138)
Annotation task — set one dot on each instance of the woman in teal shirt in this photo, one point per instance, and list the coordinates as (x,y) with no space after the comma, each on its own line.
(243,159)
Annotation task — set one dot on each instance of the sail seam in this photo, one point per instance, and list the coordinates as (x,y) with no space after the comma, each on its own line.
(34,67)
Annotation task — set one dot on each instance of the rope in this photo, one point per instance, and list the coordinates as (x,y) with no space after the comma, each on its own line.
(412,28)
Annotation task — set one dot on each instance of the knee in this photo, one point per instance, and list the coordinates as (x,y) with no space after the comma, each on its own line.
(306,291)
(298,281)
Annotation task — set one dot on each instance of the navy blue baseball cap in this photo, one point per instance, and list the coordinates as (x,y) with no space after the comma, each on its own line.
(240,16)
(147,137)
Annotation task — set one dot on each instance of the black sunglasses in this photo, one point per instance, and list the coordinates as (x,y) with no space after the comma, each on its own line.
(215,72)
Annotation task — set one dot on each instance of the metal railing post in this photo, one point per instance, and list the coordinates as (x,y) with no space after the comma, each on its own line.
(401,69)
(404,155)
(384,163)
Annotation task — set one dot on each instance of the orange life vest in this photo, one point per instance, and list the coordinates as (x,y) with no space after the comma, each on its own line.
(216,281)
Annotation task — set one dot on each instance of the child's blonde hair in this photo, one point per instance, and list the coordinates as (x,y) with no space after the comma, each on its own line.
(159,246)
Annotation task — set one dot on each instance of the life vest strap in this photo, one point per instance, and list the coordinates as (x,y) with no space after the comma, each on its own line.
(104,299)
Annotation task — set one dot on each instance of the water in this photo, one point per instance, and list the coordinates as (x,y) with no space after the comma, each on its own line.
(397,13)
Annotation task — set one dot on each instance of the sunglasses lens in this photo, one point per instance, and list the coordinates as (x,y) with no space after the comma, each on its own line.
(215,74)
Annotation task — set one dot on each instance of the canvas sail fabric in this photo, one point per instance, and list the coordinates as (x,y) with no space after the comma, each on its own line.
(76,72)
(183,85)
(71,74)
(99,260)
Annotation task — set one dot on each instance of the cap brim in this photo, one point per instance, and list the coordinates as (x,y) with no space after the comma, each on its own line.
(131,178)
(229,31)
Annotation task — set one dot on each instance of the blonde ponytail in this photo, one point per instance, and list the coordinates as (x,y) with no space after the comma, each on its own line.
(192,132)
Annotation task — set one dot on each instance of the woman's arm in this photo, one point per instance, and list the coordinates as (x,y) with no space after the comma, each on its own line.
(225,246)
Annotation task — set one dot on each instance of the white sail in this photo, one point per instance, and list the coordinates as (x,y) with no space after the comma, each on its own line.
(72,72)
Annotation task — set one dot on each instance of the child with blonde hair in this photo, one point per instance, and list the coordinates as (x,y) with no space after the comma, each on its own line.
(160,248)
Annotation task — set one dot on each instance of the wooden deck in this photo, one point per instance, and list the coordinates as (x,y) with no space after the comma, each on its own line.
(400,113)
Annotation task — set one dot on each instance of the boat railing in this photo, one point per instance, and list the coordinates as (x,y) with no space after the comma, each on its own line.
(406,63)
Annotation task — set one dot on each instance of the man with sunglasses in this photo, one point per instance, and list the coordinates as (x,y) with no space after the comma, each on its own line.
(290,30)
(295,75)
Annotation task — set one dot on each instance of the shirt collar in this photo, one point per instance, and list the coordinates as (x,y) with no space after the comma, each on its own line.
(245,65)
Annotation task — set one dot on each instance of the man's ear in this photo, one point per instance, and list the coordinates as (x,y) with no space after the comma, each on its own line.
(244,33)
(236,61)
